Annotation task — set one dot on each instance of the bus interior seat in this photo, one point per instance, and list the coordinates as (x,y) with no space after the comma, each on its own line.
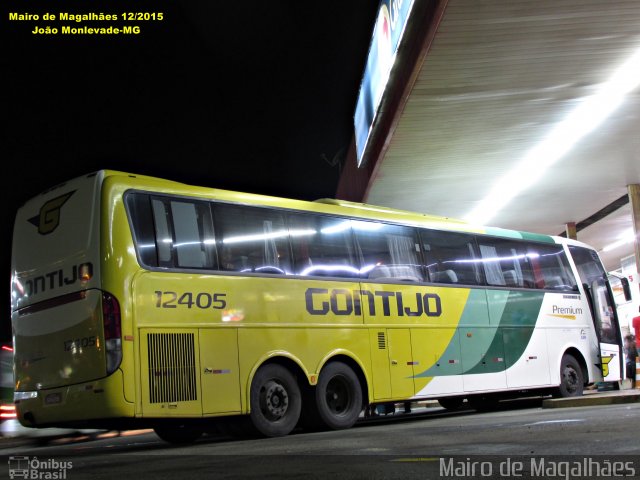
(402,273)
(553,282)
(528,282)
(445,276)
(510,278)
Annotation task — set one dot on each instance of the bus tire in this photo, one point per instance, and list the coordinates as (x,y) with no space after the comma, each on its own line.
(571,378)
(338,396)
(179,434)
(451,403)
(275,401)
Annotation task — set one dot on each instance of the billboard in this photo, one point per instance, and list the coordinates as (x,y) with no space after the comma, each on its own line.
(387,33)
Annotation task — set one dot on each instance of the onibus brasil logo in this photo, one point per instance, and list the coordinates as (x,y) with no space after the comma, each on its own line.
(32,468)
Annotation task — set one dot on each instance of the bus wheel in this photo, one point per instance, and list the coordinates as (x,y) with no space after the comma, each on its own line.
(275,401)
(451,403)
(571,380)
(338,396)
(179,434)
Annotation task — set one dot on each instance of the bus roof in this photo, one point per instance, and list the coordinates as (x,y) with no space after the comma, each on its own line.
(328,206)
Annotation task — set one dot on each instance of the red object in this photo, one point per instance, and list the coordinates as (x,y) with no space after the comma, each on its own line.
(636,328)
(7,411)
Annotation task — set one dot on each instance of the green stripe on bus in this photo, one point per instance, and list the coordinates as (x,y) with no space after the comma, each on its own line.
(502,232)
(537,237)
(490,341)
(473,315)
(513,335)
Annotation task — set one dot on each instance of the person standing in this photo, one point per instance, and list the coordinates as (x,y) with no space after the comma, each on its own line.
(631,353)
(635,323)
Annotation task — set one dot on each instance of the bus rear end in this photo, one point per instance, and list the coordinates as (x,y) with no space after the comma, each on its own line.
(66,328)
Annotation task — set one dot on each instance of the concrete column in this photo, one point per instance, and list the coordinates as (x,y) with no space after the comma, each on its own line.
(634,201)
(570,229)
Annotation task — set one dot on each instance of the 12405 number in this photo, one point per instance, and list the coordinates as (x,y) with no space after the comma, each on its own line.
(202,300)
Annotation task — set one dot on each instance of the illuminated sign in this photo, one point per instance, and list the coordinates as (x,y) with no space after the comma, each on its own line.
(390,25)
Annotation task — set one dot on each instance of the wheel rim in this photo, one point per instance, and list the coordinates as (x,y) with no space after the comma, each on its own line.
(338,395)
(570,379)
(274,400)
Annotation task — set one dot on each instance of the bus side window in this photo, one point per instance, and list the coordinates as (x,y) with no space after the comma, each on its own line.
(389,252)
(323,246)
(588,264)
(164,233)
(550,267)
(450,257)
(506,263)
(139,207)
(193,234)
(252,240)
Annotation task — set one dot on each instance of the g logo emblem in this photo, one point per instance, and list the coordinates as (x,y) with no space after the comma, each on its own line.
(605,365)
(49,218)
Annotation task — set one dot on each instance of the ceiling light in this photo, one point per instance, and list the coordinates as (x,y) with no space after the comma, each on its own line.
(584,118)
(625,238)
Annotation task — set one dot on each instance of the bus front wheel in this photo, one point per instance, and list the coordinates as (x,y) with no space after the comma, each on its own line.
(571,379)
(275,401)
(338,396)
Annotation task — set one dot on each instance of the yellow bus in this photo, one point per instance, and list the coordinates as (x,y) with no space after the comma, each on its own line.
(140,302)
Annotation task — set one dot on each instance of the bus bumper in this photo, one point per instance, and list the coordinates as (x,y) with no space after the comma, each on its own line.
(98,399)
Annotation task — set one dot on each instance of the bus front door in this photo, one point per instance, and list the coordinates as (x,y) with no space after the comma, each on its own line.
(607,329)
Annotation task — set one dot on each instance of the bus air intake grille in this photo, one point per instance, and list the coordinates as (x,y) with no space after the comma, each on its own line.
(172,367)
(382,341)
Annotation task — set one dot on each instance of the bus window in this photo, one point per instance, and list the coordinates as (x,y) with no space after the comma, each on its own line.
(587,263)
(450,257)
(252,240)
(389,252)
(323,246)
(172,232)
(506,263)
(603,312)
(551,267)
(164,235)
(195,244)
(184,233)
(142,222)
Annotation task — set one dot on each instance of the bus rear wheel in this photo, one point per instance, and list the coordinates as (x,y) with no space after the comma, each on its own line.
(571,379)
(338,396)
(275,401)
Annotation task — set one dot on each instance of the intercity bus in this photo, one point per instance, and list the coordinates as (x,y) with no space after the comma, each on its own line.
(139,302)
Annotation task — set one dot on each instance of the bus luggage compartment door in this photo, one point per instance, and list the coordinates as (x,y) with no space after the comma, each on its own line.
(401,363)
(219,370)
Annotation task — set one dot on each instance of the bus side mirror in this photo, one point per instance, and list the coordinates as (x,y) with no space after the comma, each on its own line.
(626,288)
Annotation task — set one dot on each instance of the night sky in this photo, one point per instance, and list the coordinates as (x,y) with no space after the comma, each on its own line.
(252,96)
